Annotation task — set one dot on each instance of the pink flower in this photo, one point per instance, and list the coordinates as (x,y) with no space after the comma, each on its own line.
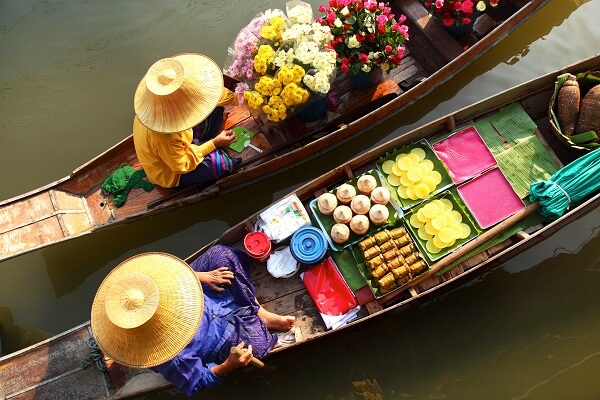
(467,7)
(381,19)
(331,17)
(439,4)
(370,5)
(466,21)
(363,58)
(388,48)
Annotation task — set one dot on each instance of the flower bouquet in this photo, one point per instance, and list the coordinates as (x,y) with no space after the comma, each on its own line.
(456,12)
(366,35)
(282,61)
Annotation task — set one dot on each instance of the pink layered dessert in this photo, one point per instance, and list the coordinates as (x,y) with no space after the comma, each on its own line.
(465,154)
(490,198)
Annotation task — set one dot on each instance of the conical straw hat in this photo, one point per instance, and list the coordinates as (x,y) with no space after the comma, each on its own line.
(147,310)
(178,92)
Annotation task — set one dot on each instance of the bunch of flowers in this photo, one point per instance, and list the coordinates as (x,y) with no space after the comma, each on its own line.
(366,34)
(282,61)
(457,12)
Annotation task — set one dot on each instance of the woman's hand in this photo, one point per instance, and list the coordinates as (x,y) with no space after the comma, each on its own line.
(215,279)
(234,361)
(225,138)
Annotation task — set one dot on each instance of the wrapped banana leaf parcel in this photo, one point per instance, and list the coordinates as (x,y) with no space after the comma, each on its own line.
(569,185)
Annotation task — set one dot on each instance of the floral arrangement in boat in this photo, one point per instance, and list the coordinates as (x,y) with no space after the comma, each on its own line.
(282,61)
(366,35)
(457,12)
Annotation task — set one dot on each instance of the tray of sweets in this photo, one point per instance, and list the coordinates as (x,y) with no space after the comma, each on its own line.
(465,154)
(388,259)
(413,173)
(326,222)
(490,198)
(441,224)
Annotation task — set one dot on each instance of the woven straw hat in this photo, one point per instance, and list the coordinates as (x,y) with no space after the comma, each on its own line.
(147,310)
(178,92)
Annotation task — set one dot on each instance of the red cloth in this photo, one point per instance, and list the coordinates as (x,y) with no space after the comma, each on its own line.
(328,289)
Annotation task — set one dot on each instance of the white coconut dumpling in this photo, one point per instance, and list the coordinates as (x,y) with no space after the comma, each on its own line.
(340,233)
(360,204)
(380,195)
(379,214)
(359,224)
(342,214)
(345,193)
(366,184)
(327,202)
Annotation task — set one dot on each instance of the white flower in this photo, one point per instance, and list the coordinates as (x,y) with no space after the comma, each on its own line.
(345,11)
(480,6)
(270,14)
(353,43)
(365,68)
(384,66)
(300,14)
(337,23)
(284,58)
(318,82)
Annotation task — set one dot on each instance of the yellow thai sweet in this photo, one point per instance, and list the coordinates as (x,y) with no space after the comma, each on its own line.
(439,225)
(413,174)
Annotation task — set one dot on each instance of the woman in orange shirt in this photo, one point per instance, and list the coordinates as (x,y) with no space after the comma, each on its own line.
(178,128)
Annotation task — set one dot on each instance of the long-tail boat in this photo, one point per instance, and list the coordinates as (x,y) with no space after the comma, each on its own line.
(76,205)
(515,126)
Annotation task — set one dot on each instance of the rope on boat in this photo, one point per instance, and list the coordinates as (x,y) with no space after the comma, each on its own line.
(96,356)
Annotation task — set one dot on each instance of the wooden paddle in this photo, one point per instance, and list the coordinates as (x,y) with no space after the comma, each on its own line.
(254,361)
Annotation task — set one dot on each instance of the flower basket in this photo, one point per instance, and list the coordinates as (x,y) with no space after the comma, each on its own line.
(282,62)
(584,141)
(457,16)
(366,35)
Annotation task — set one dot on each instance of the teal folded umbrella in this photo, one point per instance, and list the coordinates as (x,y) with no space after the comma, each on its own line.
(568,185)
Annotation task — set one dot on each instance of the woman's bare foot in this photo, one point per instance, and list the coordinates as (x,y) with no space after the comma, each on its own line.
(276,321)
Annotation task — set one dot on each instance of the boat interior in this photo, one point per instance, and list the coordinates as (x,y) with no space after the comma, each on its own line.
(290,296)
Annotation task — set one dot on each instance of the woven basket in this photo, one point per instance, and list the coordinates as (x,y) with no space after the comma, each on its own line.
(584,141)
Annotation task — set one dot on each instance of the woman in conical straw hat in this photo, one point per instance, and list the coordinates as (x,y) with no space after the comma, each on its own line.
(153,310)
(179,119)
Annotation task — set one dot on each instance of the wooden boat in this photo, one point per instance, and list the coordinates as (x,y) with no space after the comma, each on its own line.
(52,369)
(76,206)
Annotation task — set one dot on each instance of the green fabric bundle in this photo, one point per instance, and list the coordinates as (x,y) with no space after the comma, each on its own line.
(568,185)
(120,182)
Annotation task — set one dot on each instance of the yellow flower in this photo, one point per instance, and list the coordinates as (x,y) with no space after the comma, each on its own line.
(294,95)
(268,86)
(273,30)
(264,57)
(291,75)
(275,109)
(254,99)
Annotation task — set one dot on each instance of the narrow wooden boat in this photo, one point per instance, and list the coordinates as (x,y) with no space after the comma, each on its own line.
(76,206)
(52,369)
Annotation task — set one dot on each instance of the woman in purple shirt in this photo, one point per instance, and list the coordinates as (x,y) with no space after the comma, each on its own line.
(232,317)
